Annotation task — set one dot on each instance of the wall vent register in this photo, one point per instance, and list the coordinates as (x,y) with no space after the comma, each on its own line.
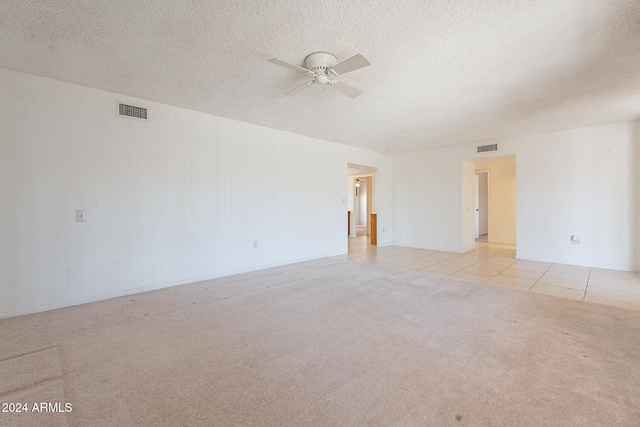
(483,148)
(132,111)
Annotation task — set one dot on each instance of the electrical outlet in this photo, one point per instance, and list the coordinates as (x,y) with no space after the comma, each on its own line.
(255,244)
(81,215)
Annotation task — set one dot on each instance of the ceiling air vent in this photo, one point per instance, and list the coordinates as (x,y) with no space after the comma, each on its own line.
(126,110)
(483,148)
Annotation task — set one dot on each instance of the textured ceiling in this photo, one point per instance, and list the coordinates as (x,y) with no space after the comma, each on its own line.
(443,72)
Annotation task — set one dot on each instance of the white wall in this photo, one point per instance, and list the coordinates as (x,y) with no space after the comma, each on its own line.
(502,205)
(351,193)
(636,207)
(467,207)
(427,199)
(577,181)
(177,199)
(483,202)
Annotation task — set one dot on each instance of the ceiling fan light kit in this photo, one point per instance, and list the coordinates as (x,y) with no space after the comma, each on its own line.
(324,67)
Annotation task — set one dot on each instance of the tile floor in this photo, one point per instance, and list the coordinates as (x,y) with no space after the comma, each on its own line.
(496,265)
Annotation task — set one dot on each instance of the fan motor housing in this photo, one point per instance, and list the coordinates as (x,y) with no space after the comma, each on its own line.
(319,62)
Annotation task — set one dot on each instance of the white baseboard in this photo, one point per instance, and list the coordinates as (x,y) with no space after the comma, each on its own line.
(501,242)
(102,297)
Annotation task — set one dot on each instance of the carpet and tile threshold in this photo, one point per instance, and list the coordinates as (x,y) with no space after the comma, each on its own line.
(495,264)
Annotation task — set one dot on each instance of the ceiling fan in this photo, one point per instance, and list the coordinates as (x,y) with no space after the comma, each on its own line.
(323,67)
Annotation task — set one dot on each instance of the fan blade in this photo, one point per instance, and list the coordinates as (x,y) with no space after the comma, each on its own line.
(292,66)
(350,64)
(350,91)
(298,89)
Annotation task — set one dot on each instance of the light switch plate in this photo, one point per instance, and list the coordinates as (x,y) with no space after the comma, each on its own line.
(81,215)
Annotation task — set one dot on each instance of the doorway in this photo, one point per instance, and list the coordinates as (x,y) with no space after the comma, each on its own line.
(361,209)
(489,201)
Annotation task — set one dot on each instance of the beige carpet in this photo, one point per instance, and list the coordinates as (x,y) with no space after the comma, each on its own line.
(327,342)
